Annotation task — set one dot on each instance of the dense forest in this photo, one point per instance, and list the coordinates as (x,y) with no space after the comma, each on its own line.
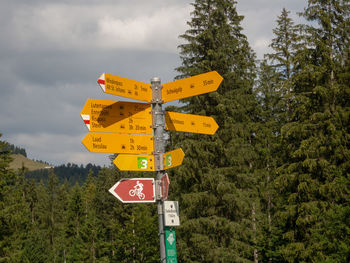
(70,173)
(272,185)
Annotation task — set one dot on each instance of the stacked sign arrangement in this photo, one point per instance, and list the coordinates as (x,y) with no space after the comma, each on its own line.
(129,129)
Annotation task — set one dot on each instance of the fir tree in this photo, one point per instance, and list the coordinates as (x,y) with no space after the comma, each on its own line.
(269,97)
(6,182)
(274,94)
(215,185)
(76,248)
(285,45)
(313,182)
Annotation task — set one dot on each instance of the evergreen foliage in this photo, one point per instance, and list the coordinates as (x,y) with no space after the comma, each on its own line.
(272,185)
(215,185)
(313,183)
(72,173)
(274,91)
(16,150)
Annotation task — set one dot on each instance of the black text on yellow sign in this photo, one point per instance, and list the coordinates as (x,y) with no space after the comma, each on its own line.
(117,116)
(190,123)
(118,143)
(192,86)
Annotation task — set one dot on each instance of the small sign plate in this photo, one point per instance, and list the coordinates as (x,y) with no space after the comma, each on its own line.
(170,245)
(171,213)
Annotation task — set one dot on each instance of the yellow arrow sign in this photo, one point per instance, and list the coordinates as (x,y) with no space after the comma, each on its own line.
(132,162)
(125,87)
(118,143)
(173,158)
(117,116)
(190,123)
(192,86)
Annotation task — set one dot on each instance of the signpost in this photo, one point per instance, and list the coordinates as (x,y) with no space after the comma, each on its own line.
(125,87)
(134,190)
(118,143)
(190,123)
(117,116)
(136,131)
(191,86)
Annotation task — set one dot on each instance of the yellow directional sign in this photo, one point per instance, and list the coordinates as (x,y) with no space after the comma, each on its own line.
(125,87)
(118,143)
(133,162)
(190,123)
(117,116)
(192,86)
(173,158)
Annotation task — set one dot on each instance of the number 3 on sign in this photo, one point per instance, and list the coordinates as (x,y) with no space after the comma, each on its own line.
(142,162)
(168,160)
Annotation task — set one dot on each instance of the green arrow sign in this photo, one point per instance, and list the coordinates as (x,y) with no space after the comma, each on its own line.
(170,245)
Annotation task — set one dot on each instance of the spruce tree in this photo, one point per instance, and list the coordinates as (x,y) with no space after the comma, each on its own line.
(285,45)
(215,185)
(269,97)
(274,93)
(77,251)
(313,182)
(90,228)
(6,182)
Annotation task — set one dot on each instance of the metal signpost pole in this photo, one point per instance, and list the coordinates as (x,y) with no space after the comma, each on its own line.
(159,149)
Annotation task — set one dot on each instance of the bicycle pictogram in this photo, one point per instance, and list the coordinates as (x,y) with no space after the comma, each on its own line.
(137,191)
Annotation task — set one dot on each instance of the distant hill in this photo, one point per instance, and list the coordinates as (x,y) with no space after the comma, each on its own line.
(40,170)
(19,160)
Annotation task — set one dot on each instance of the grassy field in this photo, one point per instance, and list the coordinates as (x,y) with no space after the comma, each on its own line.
(19,160)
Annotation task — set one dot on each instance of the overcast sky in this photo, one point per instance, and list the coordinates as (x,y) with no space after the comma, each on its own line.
(52,53)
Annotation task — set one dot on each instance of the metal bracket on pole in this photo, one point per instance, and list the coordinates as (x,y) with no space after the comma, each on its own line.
(156,90)
(158,190)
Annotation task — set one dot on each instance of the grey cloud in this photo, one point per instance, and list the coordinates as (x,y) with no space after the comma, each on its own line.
(45,81)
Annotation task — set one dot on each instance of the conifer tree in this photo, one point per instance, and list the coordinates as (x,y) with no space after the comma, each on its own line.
(313,183)
(269,97)
(90,228)
(285,45)
(274,94)
(6,176)
(215,185)
(76,248)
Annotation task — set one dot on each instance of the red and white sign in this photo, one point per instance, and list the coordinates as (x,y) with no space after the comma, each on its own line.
(164,185)
(134,190)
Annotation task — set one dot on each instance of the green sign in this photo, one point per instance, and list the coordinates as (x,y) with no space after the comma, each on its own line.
(170,245)
(142,162)
(168,160)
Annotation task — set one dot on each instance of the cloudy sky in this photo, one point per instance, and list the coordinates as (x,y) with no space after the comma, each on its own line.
(53,51)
